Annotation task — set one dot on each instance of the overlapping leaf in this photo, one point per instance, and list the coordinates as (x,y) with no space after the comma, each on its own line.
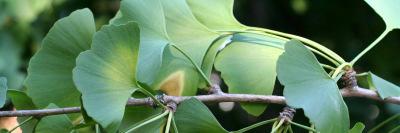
(192,116)
(249,68)
(309,87)
(167,68)
(54,124)
(22,101)
(50,69)
(388,10)
(105,75)
(3,91)
(385,88)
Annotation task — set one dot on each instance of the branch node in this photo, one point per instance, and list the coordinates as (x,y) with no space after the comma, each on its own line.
(172,105)
(287,114)
(349,79)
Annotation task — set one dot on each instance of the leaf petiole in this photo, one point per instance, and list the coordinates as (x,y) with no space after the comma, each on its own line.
(375,42)
(383,123)
(22,123)
(170,115)
(255,125)
(194,63)
(302,126)
(274,129)
(166,112)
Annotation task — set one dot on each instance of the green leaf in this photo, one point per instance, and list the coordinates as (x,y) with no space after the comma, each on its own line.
(105,75)
(50,69)
(3,91)
(249,68)
(216,14)
(388,10)
(21,100)
(358,128)
(309,87)
(136,115)
(385,89)
(192,116)
(10,60)
(161,66)
(54,123)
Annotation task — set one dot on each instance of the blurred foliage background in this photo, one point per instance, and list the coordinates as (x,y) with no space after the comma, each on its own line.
(346,27)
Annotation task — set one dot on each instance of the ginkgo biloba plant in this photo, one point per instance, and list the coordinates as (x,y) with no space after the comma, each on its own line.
(142,71)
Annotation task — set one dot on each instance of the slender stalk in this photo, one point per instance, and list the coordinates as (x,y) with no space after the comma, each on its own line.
(277,126)
(370,46)
(166,112)
(194,64)
(290,129)
(174,125)
(362,74)
(327,66)
(339,69)
(167,128)
(97,128)
(313,127)
(22,123)
(302,126)
(395,129)
(383,123)
(305,40)
(285,130)
(254,126)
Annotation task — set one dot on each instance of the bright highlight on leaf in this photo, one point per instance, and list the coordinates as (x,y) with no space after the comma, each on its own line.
(50,69)
(309,87)
(105,74)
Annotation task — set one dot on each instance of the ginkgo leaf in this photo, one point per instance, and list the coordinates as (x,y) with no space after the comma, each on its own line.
(50,69)
(217,16)
(105,74)
(388,10)
(136,115)
(54,123)
(309,87)
(161,66)
(192,116)
(385,88)
(3,91)
(249,69)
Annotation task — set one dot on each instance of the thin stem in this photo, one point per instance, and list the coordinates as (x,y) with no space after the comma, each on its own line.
(302,126)
(174,125)
(362,74)
(327,66)
(313,127)
(255,125)
(286,129)
(395,129)
(167,128)
(290,129)
(305,40)
(194,64)
(97,128)
(370,46)
(166,112)
(277,126)
(339,69)
(22,123)
(383,123)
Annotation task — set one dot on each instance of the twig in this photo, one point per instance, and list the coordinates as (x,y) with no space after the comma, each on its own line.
(249,98)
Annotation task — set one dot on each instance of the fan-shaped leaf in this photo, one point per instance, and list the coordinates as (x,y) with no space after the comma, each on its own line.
(105,75)
(3,91)
(309,87)
(384,88)
(50,69)
(388,10)
(55,123)
(192,116)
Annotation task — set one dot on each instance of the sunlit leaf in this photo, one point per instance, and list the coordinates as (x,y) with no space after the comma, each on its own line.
(249,68)
(54,123)
(309,87)
(217,16)
(3,91)
(159,66)
(105,75)
(50,69)
(388,10)
(358,128)
(192,116)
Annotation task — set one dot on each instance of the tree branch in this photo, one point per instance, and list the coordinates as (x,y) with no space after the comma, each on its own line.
(354,92)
